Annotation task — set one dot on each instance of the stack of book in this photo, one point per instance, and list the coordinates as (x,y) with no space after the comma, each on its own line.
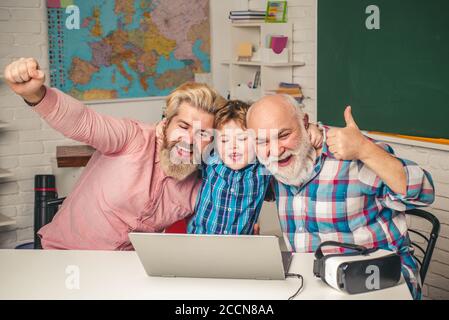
(249,16)
(292,89)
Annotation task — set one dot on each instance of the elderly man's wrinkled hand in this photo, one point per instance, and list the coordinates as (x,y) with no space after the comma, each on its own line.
(315,135)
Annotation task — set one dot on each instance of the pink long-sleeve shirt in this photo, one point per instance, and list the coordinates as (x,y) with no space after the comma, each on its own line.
(122,188)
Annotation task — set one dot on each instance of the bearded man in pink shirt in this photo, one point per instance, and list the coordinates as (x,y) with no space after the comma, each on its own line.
(133,182)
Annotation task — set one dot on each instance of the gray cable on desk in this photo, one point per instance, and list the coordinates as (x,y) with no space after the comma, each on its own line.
(300,277)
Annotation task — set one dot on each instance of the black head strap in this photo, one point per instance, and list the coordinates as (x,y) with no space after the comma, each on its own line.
(360,250)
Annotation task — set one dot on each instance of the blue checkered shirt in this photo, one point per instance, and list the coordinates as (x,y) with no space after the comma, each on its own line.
(229,201)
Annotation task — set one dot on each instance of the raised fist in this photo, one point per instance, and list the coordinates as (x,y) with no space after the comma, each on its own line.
(25,78)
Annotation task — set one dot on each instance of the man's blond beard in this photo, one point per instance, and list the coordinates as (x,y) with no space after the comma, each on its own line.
(301,167)
(178,171)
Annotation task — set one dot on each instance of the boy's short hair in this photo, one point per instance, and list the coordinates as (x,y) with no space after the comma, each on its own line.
(233,110)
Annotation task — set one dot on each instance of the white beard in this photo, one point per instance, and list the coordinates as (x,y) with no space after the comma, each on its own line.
(301,167)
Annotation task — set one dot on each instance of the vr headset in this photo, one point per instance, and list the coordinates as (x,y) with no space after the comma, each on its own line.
(357,271)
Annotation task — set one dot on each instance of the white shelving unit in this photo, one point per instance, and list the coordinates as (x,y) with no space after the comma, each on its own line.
(4,220)
(271,72)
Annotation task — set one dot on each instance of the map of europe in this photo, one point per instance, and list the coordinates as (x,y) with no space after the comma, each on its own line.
(127,48)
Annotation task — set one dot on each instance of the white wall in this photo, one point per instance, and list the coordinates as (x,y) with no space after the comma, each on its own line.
(25,146)
(220,34)
(28,147)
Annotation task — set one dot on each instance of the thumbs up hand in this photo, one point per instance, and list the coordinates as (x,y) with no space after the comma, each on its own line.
(347,143)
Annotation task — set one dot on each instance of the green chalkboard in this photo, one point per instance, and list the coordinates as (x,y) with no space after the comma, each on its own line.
(396,77)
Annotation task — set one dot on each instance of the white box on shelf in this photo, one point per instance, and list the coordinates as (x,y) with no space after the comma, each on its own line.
(268,55)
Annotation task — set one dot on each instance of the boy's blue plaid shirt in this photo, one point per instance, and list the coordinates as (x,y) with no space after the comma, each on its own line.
(230,200)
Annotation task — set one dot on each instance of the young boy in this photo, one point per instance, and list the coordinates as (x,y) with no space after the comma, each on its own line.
(234,182)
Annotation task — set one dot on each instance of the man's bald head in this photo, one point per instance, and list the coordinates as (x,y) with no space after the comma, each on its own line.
(275,107)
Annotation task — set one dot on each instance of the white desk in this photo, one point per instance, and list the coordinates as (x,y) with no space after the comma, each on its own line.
(41,274)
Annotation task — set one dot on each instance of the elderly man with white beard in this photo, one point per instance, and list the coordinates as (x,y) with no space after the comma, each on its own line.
(351,190)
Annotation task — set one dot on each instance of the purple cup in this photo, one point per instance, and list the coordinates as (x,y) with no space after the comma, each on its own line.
(278,43)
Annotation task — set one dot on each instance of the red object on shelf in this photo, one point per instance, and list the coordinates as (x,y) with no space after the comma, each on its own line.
(177,227)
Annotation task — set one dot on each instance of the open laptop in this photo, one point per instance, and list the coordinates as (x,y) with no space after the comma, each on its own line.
(270,223)
(211,256)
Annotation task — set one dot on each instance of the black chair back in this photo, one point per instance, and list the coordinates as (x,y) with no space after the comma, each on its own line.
(429,240)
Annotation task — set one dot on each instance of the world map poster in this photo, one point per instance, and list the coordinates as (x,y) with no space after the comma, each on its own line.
(111,49)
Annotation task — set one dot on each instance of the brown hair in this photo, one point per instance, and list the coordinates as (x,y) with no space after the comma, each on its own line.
(199,95)
(233,110)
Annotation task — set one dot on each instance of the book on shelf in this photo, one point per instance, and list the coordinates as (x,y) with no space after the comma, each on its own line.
(292,89)
(242,21)
(246,18)
(288,90)
(261,19)
(247,13)
(289,85)
(256,80)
